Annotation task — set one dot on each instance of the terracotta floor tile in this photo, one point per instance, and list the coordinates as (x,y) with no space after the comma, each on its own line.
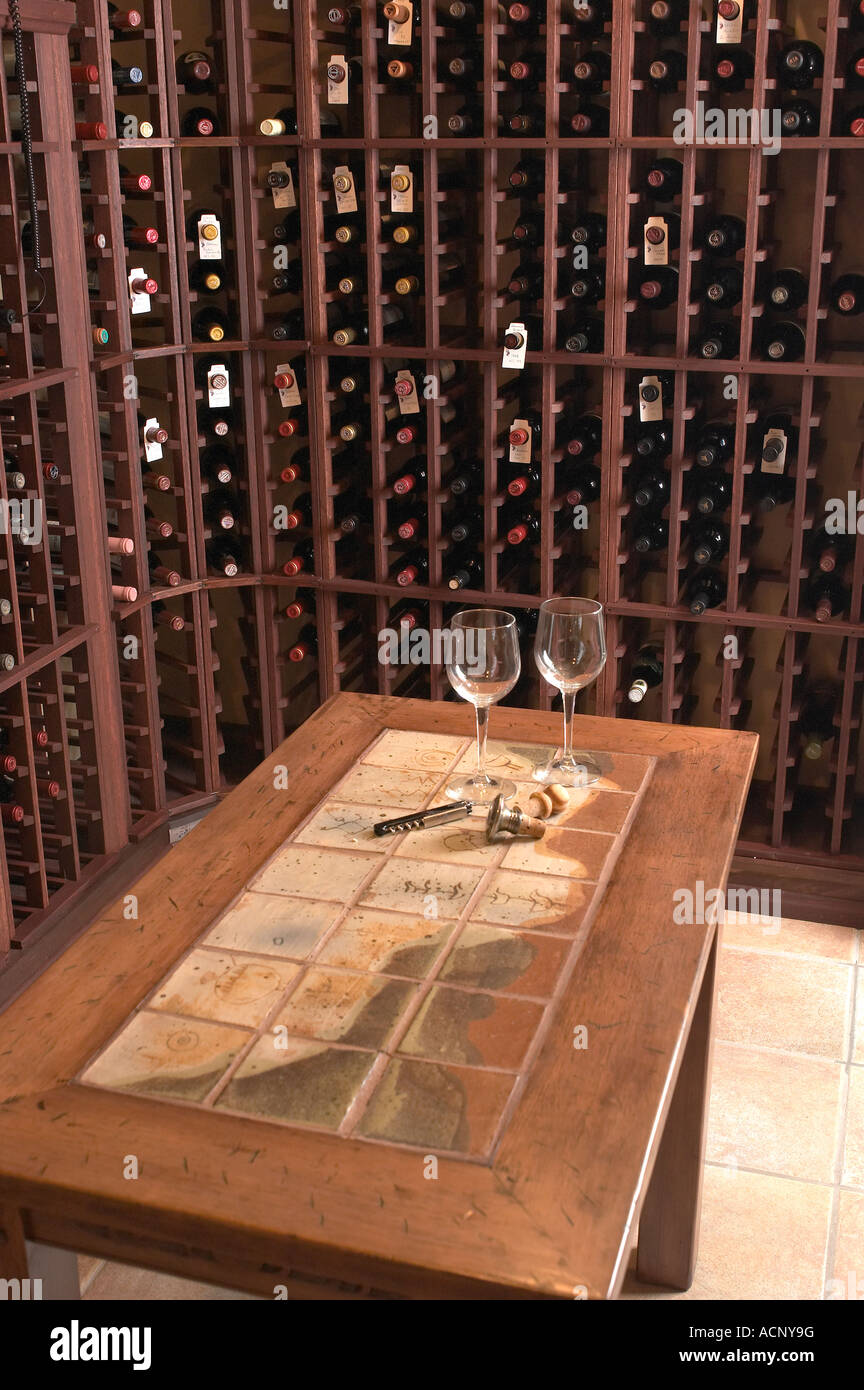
(402,787)
(775,1112)
(853,1164)
(574,853)
(273,925)
(848,1272)
(533,900)
(790,937)
(487,957)
(167,1056)
(303,871)
(348,825)
(422,887)
(297,1081)
(761,1237)
(357,1010)
(386,943)
(474,1029)
(226,987)
(425,752)
(437,1107)
(774,1001)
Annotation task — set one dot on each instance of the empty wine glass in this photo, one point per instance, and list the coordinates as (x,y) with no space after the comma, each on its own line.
(483,665)
(570,652)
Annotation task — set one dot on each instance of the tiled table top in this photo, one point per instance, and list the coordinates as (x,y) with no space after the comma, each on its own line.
(394,989)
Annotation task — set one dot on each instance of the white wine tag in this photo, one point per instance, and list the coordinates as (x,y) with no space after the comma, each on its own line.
(656,241)
(290,394)
(343,187)
(778,464)
(209,244)
(399,29)
(650,399)
(730,21)
(284,196)
(139,300)
(401,189)
(337,80)
(152,448)
(515,346)
(406,393)
(520,452)
(218,386)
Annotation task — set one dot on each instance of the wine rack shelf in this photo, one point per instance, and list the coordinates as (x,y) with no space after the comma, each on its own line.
(162,644)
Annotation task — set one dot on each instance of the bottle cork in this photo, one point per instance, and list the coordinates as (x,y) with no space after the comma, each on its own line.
(540,804)
(559,796)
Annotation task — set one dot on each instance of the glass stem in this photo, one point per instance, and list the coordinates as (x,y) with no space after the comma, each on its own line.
(482,713)
(569,699)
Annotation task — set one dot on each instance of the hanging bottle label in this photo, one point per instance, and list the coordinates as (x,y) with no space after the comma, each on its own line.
(289,394)
(406,393)
(650,399)
(515,346)
(730,21)
(774,451)
(209,237)
(337,80)
(656,241)
(343,187)
(520,442)
(139,290)
(218,386)
(283,196)
(400,19)
(401,189)
(152,447)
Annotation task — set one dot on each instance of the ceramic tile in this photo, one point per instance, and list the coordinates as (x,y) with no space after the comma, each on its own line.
(775,1001)
(306,872)
(533,900)
(228,988)
(785,936)
(858,1040)
(424,887)
(505,758)
(357,1010)
(437,1107)
(458,843)
(775,1111)
(474,1029)
(386,943)
(297,1081)
(404,788)
(401,748)
(167,1056)
(273,926)
(853,1159)
(492,958)
(577,853)
(589,809)
(348,825)
(847,1276)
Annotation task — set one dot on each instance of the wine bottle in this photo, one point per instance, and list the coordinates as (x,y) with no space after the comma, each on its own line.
(11,810)
(830,552)
(306,644)
(667,71)
(526,480)
(799,64)
(217,508)
(522,526)
(847,295)
(714,493)
(413,480)
(163,617)
(779,440)
(584,437)
(800,118)
(126,127)
(653,440)
(784,342)
(707,589)
(724,287)
(591,120)
(733,70)
(720,341)
(591,71)
(820,704)
(526,282)
(124,24)
(224,555)
(162,574)
(650,488)
(664,179)
(126,78)
(412,568)
(410,521)
(300,514)
(195,72)
(770,491)
(589,231)
(302,561)
(786,290)
(15,479)
(206,277)
(588,16)
(210,325)
(465,478)
(665,17)
(657,286)
(715,445)
(652,535)
(133,235)
(526,121)
(646,672)
(724,235)
(826,596)
(584,334)
(468,573)
(585,483)
(589,287)
(710,542)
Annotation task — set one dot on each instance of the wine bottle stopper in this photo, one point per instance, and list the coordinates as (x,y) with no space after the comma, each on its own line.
(511,820)
(540,805)
(559,796)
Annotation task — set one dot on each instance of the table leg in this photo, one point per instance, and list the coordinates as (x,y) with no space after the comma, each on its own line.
(669,1223)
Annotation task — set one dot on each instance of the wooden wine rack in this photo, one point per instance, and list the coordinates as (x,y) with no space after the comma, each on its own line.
(200,702)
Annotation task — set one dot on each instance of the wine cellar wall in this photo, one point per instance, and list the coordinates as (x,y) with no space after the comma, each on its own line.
(350,316)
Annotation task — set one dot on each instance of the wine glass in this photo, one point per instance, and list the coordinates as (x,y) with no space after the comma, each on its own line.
(570,652)
(483,664)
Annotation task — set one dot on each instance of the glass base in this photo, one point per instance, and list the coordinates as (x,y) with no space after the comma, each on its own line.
(480,790)
(580,770)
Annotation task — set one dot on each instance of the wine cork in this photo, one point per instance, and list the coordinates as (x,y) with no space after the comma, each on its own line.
(559,796)
(540,804)
(529,826)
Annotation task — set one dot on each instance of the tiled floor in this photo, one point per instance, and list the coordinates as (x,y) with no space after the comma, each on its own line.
(783,1206)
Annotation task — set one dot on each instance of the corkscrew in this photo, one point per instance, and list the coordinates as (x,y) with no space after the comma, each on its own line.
(435,815)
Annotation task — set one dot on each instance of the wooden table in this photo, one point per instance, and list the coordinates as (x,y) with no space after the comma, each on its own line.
(557,1152)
